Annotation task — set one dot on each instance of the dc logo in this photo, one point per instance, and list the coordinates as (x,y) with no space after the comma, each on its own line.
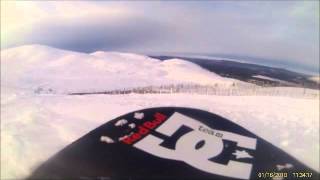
(199,157)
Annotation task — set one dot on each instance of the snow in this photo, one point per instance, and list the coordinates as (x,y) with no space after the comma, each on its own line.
(269,78)
(45,123)
(36,126)
(66,71)
(178,68)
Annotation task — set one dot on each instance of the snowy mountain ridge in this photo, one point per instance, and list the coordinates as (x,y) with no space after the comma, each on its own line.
(33,66)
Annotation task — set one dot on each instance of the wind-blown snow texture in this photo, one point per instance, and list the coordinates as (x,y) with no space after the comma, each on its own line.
(36,126)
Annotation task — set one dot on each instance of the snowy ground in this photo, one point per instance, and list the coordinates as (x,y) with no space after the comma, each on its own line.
(34,127)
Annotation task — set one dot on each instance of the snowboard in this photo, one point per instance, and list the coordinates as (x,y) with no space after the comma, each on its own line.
(172,143)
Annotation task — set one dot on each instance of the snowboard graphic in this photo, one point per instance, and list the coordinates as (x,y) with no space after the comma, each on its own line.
(172,143)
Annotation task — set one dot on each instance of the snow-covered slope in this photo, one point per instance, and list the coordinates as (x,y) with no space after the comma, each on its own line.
(34,66)
(36,126)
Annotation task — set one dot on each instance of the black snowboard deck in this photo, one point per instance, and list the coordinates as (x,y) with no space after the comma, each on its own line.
(171,143)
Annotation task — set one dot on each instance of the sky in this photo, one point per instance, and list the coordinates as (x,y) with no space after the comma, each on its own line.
(278,32)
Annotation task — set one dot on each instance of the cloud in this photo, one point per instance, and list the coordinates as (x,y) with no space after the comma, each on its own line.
(99,34)
(285,31)
(20,19)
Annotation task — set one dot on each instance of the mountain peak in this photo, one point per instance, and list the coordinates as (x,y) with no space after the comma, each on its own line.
(33,66)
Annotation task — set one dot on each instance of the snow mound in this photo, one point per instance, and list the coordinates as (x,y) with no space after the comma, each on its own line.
(191,72)
(60,71)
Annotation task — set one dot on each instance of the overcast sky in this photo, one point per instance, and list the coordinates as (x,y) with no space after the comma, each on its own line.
(283,31)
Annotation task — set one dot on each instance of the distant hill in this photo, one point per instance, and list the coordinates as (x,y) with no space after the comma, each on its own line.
(253,73)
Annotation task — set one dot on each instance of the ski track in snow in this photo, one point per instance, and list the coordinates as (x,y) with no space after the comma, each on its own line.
(45,124)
